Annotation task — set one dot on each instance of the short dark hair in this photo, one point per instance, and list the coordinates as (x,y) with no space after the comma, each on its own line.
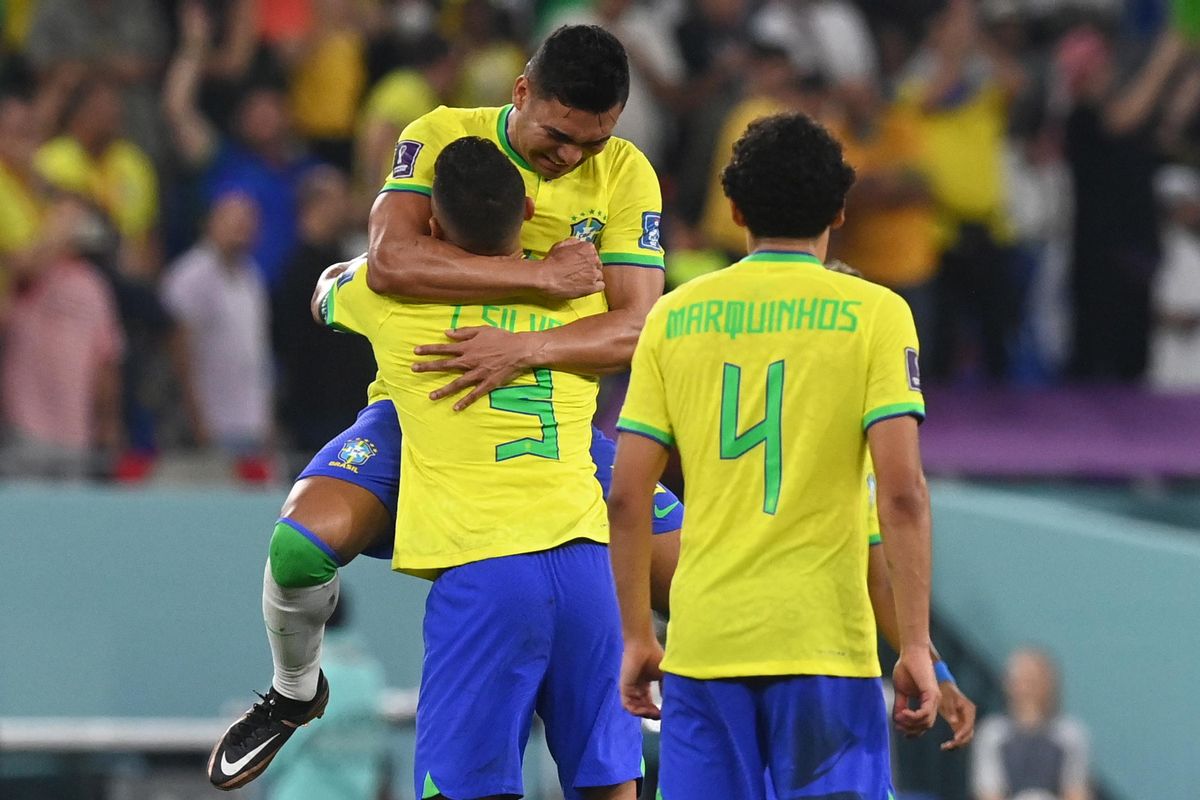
(787,177)
(478,194)
(581,66)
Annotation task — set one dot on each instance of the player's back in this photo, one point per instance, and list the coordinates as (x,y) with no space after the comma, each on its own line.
(509,474)
(770,372)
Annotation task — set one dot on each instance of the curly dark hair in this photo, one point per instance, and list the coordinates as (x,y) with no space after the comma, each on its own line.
(788,177)
(478,195)
(581,66)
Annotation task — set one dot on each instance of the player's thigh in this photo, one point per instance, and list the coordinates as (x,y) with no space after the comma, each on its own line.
(348,518)
(827,736)
(710,743)
(488,628)
(596,744)
(347,494)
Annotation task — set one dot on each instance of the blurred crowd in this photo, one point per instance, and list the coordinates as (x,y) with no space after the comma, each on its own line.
(174,174)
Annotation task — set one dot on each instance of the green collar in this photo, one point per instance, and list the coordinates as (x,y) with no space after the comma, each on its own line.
(792,256)
(502,135)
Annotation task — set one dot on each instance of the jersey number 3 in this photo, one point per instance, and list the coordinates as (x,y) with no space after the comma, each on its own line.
(768,431)
(534,400)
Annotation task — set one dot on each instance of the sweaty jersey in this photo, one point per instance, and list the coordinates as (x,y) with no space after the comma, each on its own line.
(766,376)
(510,474)
(612,200)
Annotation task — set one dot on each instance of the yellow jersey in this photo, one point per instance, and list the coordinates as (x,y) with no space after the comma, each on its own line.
(509,475)
(766,376)
(612,200)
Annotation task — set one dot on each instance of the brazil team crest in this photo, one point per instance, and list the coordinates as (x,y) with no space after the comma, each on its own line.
(355,453)
(587,226)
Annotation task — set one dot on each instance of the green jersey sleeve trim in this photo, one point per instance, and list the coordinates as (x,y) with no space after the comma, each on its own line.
(874,539)
(327,307)
(405,186)
(631,259)
(894,410)
(330,306)
(649,431)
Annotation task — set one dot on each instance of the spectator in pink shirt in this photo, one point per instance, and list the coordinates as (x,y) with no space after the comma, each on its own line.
(60,382)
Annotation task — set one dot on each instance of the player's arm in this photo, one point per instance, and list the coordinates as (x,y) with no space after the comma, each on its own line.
(956,708)
(318,305)
(599,344)
(344,302)
(639,464)
(903,501)
(642,450)
(406,261)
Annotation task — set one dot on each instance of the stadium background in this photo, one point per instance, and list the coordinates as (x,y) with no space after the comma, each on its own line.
(1063,381)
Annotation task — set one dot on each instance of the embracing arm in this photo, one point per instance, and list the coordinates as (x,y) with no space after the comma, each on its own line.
(407,261)
(602,343)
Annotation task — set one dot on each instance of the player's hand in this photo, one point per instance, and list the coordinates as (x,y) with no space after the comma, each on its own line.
(639,668)
(958,710)
(488,358)
(913,679)
(571,269)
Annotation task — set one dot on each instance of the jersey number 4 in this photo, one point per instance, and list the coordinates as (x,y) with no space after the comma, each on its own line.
(535,400)
(768,431)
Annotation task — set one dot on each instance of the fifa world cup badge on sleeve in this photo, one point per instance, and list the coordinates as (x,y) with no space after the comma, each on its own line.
(405,162)
(651,239)
(913,368)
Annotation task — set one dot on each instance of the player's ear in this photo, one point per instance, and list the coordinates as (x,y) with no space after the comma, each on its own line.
(839,220)
(739,219)
(528,208)
(520,92)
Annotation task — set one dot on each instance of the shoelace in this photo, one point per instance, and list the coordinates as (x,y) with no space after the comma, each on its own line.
(259,714)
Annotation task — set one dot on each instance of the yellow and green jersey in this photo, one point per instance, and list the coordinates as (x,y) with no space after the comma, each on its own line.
(511,473)
(766,376)
(612,200)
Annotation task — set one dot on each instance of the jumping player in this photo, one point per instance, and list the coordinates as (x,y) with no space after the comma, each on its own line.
(597,192)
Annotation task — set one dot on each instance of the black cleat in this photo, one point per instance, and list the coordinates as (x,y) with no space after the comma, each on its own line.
(250,743)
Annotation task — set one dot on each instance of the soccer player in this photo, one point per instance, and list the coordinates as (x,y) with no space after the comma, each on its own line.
(521,616)
(586,185)
(774,378)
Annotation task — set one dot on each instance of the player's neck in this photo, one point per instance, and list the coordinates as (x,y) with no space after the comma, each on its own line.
(817,247)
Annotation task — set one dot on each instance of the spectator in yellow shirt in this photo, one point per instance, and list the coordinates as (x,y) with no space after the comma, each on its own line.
(891,234)
(772,86)
(91,159)
(21,189)
(329,76)
(959,87)
(400,96)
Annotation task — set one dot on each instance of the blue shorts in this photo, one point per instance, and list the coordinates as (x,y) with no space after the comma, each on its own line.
(508,637)
(367,454)
(785,738)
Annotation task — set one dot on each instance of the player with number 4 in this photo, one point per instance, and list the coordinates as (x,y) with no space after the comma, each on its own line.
(775,378)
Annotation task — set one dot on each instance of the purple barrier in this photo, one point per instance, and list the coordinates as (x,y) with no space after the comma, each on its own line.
(1089,432)
(1074,432)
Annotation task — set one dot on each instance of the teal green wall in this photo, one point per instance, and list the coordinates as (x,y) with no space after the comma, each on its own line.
(1116,600)
(147,603)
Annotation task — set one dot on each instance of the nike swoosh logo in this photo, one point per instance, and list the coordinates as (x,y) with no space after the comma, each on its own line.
(659,513)
(233,769)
